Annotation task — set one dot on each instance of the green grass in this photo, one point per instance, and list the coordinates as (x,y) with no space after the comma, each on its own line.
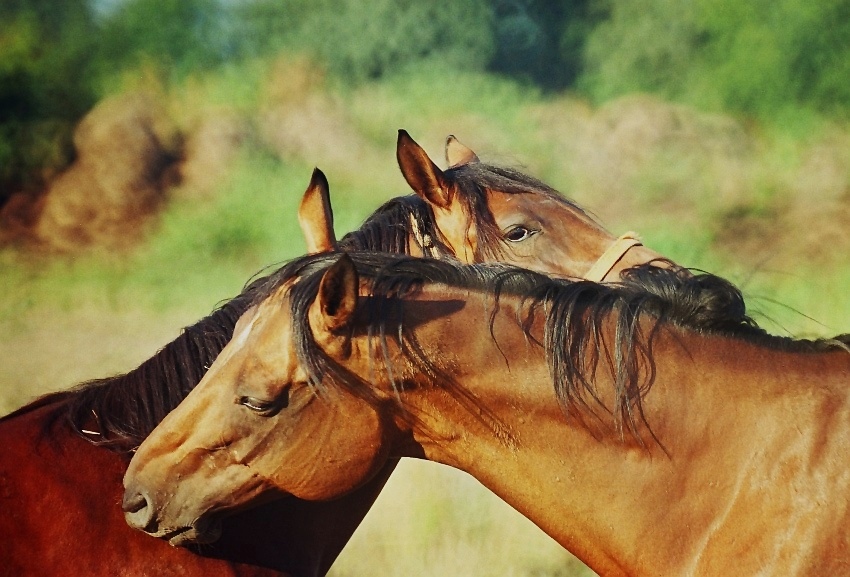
(433,91)
(448,525)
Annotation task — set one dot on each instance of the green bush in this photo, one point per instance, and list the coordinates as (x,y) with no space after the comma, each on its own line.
(44,88)
(756,57)
(541,41)
(356,43)
(181,36)
(642,46)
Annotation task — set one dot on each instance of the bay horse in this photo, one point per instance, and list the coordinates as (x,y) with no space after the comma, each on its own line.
(64,454)
(647,435)
(488,213)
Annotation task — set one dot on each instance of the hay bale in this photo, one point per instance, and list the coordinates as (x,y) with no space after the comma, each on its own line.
(210,150)
(125,147)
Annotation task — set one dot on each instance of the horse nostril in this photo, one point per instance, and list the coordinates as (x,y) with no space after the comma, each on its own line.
(138,511)
(134,503)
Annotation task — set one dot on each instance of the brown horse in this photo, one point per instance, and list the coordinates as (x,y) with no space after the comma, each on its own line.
(486,213)
(63,458)
(648,436)
(478,212)
(77,444)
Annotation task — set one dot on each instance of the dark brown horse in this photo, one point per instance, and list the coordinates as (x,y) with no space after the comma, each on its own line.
(647,436)
(63,458)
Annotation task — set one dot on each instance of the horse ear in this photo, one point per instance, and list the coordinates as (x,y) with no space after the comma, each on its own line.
(336,302)
(315,215)
(423,176)
(458,154)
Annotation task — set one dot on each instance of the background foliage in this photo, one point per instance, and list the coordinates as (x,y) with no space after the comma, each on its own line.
(749,57)
(44,64)
(756,58)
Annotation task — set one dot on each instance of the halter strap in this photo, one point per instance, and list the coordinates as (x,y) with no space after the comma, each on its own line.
(612,256)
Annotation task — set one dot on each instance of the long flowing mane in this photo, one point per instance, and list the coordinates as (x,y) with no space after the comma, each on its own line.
(647,300)
(119,412)
(123,409)
(392,227)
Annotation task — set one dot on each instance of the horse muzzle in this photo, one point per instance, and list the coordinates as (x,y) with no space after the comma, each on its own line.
(140,512)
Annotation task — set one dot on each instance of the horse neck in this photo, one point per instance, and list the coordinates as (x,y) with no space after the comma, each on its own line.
(723,413)
(760,435)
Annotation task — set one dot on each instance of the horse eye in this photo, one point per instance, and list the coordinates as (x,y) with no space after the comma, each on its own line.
(262,407)
(518,234)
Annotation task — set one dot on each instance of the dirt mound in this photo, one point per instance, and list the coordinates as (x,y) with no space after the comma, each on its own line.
(805,216)
(642,160)
(299,120)
(211,146)
(640,149)
(125,147)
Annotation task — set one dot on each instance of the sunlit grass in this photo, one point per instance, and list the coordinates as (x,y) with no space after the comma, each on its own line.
(448,525)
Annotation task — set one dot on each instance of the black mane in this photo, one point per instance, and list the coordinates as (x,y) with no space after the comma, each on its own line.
(391,228)
(122,410)
(648,299)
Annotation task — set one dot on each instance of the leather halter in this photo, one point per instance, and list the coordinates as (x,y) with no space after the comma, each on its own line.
(595,273)
(612,256)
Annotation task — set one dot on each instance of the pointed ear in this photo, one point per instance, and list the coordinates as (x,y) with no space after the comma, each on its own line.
(333,309)
(315,215)
(457,154)
(421,173)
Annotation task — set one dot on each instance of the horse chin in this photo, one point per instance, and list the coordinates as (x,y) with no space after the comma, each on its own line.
(203,532)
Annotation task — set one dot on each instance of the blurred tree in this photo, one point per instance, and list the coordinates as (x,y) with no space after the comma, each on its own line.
(180,36)
(762,55)
(358,43)
(44,87)
(523,44)
(755,57)
(642,45)
(542,41)
(822,64)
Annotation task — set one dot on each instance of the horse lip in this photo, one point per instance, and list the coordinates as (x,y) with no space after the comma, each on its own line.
(177,536)
(199,533)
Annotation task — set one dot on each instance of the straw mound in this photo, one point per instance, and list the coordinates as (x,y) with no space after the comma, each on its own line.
(125,147)
(642,161)
(130,158)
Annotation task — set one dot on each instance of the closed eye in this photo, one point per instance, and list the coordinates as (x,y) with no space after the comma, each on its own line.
(266,408)
(519,233)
